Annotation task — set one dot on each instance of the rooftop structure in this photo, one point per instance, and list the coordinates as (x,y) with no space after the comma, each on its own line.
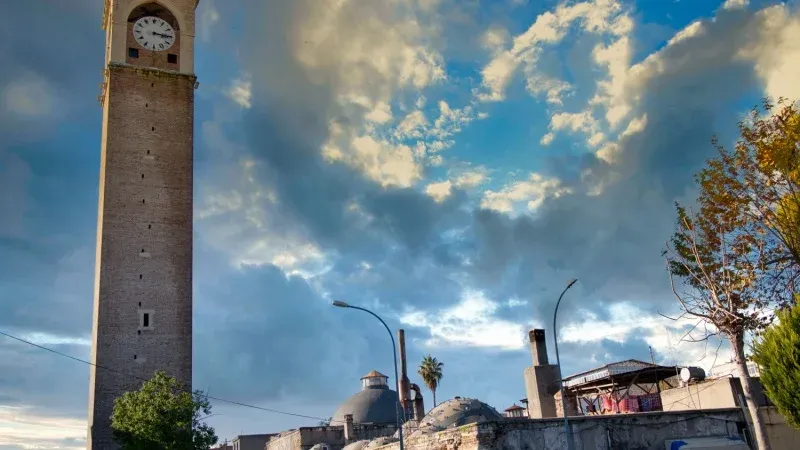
(625,386)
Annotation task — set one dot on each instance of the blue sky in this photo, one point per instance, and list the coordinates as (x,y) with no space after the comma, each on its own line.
(449,164)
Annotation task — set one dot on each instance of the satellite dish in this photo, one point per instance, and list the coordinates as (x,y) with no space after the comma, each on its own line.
(692,374)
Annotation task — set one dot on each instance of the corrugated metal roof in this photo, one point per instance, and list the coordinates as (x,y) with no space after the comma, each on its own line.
(617,368)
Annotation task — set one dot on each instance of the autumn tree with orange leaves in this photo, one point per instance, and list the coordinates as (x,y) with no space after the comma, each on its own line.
(737,255)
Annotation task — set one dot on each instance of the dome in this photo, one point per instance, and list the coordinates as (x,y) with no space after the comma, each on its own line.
(457,412)
(375,403)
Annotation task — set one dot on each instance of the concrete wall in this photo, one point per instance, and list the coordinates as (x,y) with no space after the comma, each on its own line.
(251,441)
(717,393)
(781,435)
(620,432)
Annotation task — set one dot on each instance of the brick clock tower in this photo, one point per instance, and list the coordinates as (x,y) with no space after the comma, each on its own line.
(143,269)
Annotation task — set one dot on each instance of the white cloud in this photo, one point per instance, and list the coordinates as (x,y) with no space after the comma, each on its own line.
(662,334)
(207,19)
(595,16)
(21,428)
(439,191)
(471,178)
(575,122)
(776,52)
(553,88)
(382,113)
(388,164)
(412,126)
(735,4)
(531,192)
(466,179)
(468,323)
(495,38)
(259,235)
(30,97)
(241,91)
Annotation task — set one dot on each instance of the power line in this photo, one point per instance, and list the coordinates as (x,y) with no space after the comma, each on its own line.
(233,402)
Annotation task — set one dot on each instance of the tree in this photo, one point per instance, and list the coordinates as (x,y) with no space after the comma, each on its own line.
(162,415)
(719,254)
(431,372)
(777,354)
(760,178)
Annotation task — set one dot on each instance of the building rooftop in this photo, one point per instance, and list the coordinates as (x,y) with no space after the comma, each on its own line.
(374,374)
(514,407)
(620,373)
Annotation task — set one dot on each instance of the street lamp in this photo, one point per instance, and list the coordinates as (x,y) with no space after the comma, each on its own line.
(567,429)
(342,304)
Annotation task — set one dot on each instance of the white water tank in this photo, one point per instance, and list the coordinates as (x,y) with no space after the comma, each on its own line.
(708,443)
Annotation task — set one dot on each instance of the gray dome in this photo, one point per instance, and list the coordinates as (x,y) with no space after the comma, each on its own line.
(458,412)
(371,405)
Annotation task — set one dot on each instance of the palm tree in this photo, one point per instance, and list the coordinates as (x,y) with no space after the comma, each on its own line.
(431,372)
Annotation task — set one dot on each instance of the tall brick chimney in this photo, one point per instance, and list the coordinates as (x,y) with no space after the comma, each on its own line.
(404,384)
(538,347)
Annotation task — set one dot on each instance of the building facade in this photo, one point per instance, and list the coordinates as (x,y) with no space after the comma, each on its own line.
(143,271)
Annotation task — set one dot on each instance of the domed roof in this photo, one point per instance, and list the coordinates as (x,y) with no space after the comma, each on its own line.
(376,404)
(457,412)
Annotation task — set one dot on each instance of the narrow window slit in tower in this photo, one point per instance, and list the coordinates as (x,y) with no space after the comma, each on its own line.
(140,277)
(143,201)
(140,303)
(145,105)
(138,331)
(134,356)
(143,176)
(152,84)
(148,152)
(149,226)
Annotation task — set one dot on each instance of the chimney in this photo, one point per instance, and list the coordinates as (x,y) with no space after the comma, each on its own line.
(403,384)
(419,405)
(348,428)
(538,346)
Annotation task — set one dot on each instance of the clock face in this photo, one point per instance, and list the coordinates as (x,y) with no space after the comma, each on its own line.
(153,33)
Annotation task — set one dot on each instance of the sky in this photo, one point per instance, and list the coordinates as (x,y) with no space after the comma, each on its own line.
(449,164)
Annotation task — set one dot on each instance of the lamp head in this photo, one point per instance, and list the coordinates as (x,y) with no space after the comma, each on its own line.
(340,304)
(571,282)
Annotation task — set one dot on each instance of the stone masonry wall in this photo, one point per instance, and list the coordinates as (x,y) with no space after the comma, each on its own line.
(646,431)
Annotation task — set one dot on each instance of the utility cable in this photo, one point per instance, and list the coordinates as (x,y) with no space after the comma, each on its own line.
(232,402)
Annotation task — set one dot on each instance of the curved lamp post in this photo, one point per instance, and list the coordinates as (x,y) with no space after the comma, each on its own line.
(342,304)
(567,429)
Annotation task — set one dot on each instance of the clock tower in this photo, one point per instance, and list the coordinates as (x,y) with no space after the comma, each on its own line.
(143,271)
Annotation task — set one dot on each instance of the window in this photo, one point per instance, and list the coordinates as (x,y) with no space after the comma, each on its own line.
(172,58)
(145,319)
(133,52)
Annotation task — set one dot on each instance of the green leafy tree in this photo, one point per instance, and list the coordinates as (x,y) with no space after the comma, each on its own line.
(777,354)
(431,372)
(162,415)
